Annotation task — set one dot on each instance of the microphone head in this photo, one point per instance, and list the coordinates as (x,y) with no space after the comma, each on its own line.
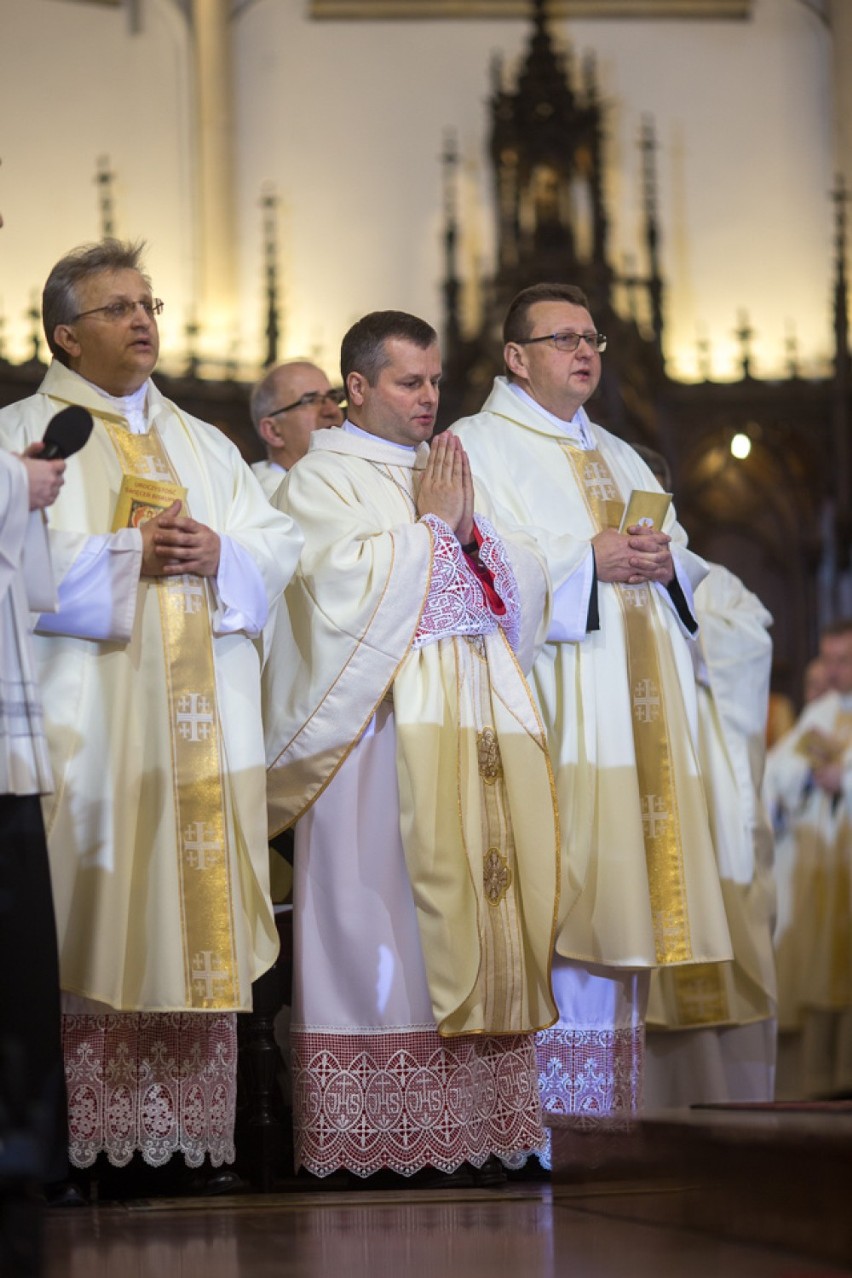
(67,432)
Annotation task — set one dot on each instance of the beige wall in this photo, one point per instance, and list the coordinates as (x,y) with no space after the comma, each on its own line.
(347,121)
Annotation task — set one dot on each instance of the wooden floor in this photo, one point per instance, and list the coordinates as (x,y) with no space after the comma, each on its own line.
(517,1231)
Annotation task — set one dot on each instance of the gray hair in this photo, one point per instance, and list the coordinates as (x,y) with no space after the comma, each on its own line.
(59,301)
(262,398)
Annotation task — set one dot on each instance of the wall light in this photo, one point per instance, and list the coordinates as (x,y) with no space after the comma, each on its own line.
(740,446)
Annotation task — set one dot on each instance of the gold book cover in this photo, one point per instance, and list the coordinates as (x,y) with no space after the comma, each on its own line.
(142,499)
(647,509)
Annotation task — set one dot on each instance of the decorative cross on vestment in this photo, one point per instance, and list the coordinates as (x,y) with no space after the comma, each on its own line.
(189,588)
(205,975)
(194,717)
(646,701)
(155,468)
(599,483)
(201,848)
(654,815)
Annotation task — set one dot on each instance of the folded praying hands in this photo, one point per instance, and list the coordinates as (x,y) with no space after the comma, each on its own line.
(446,489)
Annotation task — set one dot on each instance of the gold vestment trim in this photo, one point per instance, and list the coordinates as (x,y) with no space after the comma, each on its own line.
(201,834)
(353,653)
(660,818)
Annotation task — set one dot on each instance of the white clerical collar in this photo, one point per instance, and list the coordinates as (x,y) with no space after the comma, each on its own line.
(132,407)
(367,434)
(577,428)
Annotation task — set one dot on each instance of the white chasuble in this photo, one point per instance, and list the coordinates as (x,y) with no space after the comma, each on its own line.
(640,886)
(154,730)
(474,788)
(813,934)
(24,761)
(426,872)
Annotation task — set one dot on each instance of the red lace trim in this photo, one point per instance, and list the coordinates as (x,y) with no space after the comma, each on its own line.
(157,1083)
(457,603)
(492,554)
(410,1100)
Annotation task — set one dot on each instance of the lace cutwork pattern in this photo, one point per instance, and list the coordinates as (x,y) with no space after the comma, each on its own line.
(408,1100)
(492,555)
(456,604)
(156,1083)
(593,1076)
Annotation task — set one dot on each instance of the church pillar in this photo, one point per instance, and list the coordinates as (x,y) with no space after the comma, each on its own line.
(216,298)
(840,13)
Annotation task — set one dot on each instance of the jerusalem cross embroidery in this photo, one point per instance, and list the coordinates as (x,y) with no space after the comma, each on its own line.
(207,973)
(189,589)
(201,848)
(646,701)
(194,717)
(635,596)
(654,816)
(154,468)
(598,482)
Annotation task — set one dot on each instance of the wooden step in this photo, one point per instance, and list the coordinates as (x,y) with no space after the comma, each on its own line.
(772,1175)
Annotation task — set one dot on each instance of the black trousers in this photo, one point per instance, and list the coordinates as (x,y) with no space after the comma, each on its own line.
(32,1078)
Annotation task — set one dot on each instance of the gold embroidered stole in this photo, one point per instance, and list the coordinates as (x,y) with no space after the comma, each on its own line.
(654,765)
(201,834)
(464,732)
(502,986)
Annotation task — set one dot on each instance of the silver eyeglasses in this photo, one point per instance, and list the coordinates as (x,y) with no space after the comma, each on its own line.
(123,309)
(568,341)
(311,398)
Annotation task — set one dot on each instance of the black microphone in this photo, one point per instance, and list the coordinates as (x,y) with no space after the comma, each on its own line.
(66,432)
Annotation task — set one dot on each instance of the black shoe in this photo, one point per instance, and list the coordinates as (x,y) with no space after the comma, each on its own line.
(210,1182)
(64,1193)
(464,1177)
(491,1174)
(532,1170)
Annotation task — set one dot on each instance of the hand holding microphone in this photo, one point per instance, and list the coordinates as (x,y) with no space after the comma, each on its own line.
(66,433)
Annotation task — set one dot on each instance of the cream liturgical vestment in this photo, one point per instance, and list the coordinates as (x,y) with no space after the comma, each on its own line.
(269,475)
(724,1013)
(24,762)
(640,887)
(156,829)
(814,925)
(32,1087)
(426,869)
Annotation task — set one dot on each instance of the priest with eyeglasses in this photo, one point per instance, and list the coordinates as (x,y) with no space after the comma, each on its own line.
(287,405)
(615,685)
(169,559)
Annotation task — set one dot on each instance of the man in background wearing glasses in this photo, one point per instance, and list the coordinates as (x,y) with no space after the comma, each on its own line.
(287,405)
(615,685)
(150,673)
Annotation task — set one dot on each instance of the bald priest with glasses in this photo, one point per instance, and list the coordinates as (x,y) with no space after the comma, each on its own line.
(169,559)
(287,405)
(616,689)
